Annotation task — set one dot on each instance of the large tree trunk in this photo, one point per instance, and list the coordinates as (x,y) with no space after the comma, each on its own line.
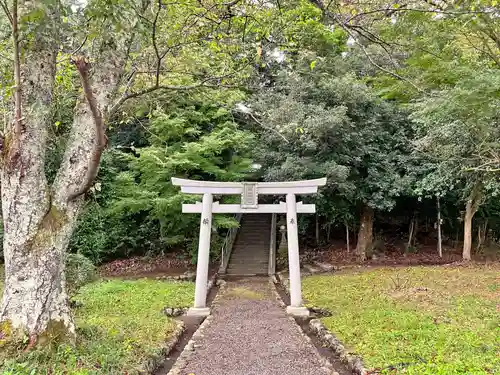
(365,234)
(36,233)
(38,219)
(35,299)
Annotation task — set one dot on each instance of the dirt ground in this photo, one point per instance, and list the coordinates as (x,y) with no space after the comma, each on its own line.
(337,254)
(146,267)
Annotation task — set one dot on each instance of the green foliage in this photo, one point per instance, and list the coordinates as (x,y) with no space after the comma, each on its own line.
(137,210)
(324,124)
(121,325)
(420,321)
(79,271)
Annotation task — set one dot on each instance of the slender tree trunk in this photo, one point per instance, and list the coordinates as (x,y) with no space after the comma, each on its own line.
(410,233)
(365,234)
(481,234)
(470,210)
(347,237)
(439,244)
(469,214)
(328,232)
(317,230)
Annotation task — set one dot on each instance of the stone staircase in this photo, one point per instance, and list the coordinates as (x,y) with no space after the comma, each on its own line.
(250,255)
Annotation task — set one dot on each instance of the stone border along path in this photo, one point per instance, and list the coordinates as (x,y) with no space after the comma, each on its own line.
(249,333)
(352,361)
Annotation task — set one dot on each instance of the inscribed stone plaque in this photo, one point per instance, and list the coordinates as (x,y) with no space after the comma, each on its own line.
(249,197)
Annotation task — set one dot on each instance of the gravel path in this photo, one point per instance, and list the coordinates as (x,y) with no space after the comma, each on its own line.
(250,334)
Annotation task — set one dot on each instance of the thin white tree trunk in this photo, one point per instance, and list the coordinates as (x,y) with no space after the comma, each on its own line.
(481,234)
(347,237)
(470,210)
(317,230)
(439,244)
(410,234)
(466,254)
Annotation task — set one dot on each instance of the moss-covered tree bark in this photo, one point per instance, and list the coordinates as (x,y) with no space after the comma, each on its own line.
(39,219)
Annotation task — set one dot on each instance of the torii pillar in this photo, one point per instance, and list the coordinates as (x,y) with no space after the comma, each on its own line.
(296,308)
(200,295)
(249,192)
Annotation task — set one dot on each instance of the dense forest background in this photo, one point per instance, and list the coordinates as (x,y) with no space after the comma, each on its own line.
(397,103)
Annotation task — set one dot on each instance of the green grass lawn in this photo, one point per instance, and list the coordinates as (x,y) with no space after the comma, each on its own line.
(416,321)
(120,325)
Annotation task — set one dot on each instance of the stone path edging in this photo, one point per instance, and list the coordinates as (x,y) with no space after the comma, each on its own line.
(152,363)
(195,357)
(353,362)
(325,361)
(181,362)
(186,276)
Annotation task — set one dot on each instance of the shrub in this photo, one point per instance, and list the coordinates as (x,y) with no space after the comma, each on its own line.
(79,271)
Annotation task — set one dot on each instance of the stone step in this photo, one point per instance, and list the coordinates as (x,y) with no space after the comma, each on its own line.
(250,254)
(251,247)
(249,250)
(248,264)
(247,270)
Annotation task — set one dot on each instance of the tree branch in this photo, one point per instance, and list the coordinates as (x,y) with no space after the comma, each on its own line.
(155,45)
(346,28)
(404,9)
(125,96)
(100,141)
(264,126)
(5,8)
(17,72)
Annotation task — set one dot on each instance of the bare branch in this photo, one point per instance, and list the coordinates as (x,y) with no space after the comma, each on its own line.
(5,8)
(395,75)
(155,45)
(75,51)
(405,9)
(489,52)
(249,113)
(80,46)
(269,128)
(347,29)
(17,72)
(151,89)
(203,83)
(100,141)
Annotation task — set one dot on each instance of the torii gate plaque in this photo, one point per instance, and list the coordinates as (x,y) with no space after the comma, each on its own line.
(249,192)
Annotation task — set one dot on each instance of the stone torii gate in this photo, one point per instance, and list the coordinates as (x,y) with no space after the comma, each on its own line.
(249,192)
